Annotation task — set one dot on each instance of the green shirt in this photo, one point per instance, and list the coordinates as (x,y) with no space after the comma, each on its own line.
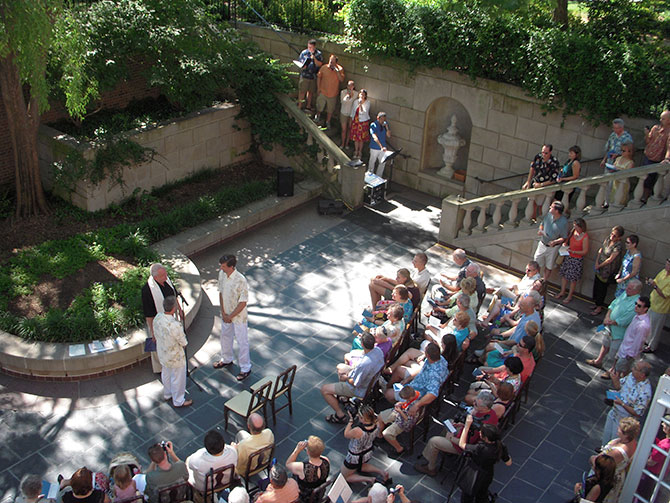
(622,311)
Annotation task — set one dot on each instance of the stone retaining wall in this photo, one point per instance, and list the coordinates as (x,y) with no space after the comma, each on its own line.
(203,139)
(506,128)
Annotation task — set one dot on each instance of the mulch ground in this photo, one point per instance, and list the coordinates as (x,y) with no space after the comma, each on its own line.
(61,222)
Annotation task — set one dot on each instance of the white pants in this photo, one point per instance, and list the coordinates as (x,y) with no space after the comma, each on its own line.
(174,384)
(657,322)
(376,155)
(237,331)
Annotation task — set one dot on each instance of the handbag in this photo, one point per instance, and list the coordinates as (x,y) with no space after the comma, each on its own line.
(149,345)
(469,477)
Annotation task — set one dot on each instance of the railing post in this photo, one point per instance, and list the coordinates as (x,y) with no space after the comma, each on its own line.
(481,219)
(638,192)
(513,211)
(548,198)
(352,184)
(566,198)
(528,214)
(600,198)
(619,196)
(657,197)
(451,220)
(581,199)
(467,220)
(497,215)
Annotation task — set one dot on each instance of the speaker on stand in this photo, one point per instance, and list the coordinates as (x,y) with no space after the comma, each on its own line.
(285,182)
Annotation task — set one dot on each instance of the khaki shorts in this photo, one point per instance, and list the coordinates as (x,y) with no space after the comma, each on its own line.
(344,120)
(393,429)
(326,102)
(344,389)
(307,85)
(546,255)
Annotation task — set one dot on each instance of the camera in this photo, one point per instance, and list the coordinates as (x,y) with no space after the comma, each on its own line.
(393,490)
(164,445)
(351,406)
(462,414)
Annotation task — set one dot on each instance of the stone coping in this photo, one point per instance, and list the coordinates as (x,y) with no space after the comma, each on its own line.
(51,361)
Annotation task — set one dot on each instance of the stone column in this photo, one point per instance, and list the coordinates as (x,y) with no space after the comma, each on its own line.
(353,181)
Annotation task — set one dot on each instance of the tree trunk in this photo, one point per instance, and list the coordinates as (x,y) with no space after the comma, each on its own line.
(23,121)
(561,13)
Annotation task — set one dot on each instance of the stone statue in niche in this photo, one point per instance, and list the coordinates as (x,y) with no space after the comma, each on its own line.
(451,141)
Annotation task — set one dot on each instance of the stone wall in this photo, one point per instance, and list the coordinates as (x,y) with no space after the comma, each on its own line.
(204,139)
(507,127)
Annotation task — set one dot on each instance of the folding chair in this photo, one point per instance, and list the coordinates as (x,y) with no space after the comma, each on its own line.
(244,403)
(282,387)
(218,480)
(176,493)
(258,461)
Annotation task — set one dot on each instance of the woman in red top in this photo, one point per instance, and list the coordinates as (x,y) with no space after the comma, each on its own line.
(573,264)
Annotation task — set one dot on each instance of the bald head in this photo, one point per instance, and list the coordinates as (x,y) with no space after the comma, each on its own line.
(459,256)
(255,423)
(665,118)
(527,305)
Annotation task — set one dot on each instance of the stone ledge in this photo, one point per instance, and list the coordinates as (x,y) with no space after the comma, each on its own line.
(51,361)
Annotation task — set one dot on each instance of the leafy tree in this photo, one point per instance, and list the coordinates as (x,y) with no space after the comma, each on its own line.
(25,35)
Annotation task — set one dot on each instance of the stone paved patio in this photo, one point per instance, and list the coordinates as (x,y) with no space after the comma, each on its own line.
(308,278)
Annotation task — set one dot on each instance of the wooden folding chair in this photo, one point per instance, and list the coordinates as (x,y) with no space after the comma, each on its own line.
(244,403)
(258,461)
(218,480)
(176,493)
(283,385)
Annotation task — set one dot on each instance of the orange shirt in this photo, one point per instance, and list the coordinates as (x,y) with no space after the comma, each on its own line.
(329,80)
(528,366)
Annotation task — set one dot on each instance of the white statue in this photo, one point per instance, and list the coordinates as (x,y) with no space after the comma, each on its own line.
(451,141)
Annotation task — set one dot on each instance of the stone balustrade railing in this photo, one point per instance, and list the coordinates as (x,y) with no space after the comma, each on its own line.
(332,167)
(457,213)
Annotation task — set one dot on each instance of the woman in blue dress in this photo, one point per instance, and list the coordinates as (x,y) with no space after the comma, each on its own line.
(630,265)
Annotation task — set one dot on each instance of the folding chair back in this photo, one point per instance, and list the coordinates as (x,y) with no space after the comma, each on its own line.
(283,386)
(258,461)
(176,493)
(218,480)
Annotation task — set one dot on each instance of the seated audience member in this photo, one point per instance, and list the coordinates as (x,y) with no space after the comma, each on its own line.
(238,495)
(636,393)
(257,438)
(621,449)
(462,305)
(124,485)
(381,286)
(496,359)
(82,490)
(595,487)
(392,328)
(510,373)
(161,472)
(619,315)
(215,454)
(511,292)
(400,296)
(361,435)
(409,364)
(419,273)
(403,417)
(524,351)
(377,494)
(534,331)
(468,286)
(449,442)
(504,400)
(398,496)
(353,382)
(633,340)
(313,472)
(449,281)
(282,489)
(471,271)
(31,489)
(504,311)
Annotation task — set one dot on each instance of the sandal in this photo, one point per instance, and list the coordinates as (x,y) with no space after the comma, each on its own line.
(335,419)
(592,362)
(243,375)
(220,364)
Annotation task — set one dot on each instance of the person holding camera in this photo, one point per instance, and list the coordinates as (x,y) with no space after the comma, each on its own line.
(361,435)
(161,471)
(482,457)
(481,413)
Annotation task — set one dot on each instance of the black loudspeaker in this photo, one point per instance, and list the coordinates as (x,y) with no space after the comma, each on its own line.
(285,182)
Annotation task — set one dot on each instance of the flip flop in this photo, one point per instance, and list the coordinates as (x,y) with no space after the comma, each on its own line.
(243,375)
(335,419)
(592,362)
(220,364)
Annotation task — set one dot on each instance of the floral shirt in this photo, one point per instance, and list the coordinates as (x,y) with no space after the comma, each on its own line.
(545,171)
(614,142)
(431,377)
(635,394)
(656,143)
(170,341)
(234,289)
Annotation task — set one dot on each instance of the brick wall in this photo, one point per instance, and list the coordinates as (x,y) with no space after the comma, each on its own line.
(134,88)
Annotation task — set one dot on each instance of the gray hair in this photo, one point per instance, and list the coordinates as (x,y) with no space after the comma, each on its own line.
(459,253)
(486,398)
(31,486)
(643,367)
(377,493)
(465,300)
(155,268)
(473,269)
(238,495)
(636,283)
(618,121)
(169,303)
(278,476)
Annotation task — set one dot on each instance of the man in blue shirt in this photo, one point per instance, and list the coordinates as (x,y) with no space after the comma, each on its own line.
(553,232)
(311,60)
(379,131)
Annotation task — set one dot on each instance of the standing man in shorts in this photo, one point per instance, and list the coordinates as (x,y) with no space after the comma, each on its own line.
(311,60)
(553,231)
(233,297)
(347,98)
(328,85)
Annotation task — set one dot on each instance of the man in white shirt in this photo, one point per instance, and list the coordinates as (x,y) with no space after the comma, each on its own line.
(216,454)
(233,298)
(170,344)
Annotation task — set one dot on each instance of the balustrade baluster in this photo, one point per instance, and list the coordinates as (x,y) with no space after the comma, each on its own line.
(566,198)
(581,199)
(666,185)
(481,219)
(467,220)
(657,197)
(548,198)
(600,198)
(528,214)
(497,215)
(638,192)
(511,217)
(617,203)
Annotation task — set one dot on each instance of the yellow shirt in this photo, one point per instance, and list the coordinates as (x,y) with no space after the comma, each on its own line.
(658,303)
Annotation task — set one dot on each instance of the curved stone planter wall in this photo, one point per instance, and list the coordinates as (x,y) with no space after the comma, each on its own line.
(50,361)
